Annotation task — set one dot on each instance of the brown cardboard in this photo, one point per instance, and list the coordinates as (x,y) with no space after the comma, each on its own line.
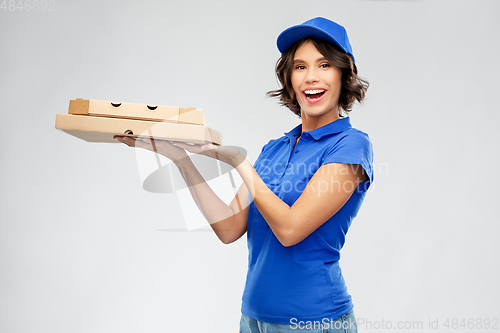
(102,129)
(147,112)
(190,116)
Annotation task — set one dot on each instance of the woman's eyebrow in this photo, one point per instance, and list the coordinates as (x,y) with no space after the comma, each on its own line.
(317,60)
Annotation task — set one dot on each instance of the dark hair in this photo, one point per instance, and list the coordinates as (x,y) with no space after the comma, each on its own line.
(353,87)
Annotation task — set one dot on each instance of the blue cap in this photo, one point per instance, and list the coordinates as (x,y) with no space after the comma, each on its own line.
(318,27)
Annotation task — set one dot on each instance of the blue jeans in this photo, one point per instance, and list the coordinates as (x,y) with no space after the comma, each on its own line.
(345,324)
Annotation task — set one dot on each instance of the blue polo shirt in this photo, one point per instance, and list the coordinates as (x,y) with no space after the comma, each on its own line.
(303,281)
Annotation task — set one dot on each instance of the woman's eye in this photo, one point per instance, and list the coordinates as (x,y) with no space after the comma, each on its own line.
(299,67)
(324,65)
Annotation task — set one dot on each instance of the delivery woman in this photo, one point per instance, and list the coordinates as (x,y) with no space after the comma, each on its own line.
(299,198)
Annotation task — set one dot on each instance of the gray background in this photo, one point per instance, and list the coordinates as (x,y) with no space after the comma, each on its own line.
(83,248)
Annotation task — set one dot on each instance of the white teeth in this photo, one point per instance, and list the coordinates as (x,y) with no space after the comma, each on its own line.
(316,91)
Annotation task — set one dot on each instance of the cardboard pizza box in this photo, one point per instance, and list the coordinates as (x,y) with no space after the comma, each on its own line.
(99,121)
(96,108)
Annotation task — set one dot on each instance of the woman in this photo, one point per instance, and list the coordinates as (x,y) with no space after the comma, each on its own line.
(298,200)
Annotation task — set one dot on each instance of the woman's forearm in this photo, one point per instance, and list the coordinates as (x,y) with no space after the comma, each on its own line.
(224,220)
(324,195)
(229,222)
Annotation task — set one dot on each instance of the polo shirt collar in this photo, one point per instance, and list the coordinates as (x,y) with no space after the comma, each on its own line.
(334,127)
(294,133)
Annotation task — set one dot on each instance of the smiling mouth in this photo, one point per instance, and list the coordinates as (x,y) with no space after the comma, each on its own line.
(314,94)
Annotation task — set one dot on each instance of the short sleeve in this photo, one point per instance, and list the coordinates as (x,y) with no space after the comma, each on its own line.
(353,148)
(259,158)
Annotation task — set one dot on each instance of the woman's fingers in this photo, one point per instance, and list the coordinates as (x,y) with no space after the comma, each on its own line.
(207,146)
(182,145)
(133,142)
(125,139)
(196,149)
(177,150)
(206,149)
(148,140)
(228,154)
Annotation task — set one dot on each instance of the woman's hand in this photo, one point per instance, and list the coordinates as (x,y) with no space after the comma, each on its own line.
(162,147)
(177,150)
(228,154)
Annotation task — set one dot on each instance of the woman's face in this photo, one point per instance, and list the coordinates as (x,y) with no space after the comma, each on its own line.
(316,82)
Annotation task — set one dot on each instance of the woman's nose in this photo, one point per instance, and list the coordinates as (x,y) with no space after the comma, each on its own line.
(312,76)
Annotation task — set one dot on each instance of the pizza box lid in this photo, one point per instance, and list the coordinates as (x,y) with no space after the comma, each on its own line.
(136,111)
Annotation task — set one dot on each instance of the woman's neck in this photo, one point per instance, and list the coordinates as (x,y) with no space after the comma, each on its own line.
(310,123)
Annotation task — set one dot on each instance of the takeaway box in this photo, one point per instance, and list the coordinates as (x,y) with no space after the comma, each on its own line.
(99,121)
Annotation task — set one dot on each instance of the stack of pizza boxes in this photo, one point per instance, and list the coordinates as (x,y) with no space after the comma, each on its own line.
(99,121)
